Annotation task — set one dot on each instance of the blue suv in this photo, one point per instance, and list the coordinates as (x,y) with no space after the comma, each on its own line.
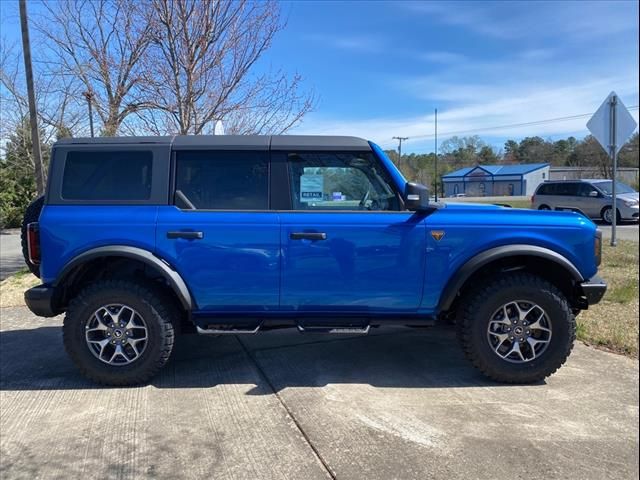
(140,238)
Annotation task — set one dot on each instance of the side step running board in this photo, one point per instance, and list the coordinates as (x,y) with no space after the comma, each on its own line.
(227,330)
(333,330)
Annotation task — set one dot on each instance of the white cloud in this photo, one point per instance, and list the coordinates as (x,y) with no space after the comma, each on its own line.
(510,20)
(479,108)
(442,57)
(353,43)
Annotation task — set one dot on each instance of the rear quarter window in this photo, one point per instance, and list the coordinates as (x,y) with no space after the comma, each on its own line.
(546,189)
(107,175)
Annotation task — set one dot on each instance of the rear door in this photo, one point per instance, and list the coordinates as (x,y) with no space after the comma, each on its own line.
(219,233)
(347,245)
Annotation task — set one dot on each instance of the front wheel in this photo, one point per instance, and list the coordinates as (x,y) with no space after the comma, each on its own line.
(607,215)
(517,328)
(119,332)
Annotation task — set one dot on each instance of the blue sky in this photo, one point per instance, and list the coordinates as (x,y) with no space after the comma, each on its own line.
(380,68)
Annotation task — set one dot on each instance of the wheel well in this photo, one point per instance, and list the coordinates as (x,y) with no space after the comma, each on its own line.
(547,269)
(112,267)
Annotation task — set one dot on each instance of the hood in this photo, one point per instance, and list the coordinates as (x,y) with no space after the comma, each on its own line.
(628,196)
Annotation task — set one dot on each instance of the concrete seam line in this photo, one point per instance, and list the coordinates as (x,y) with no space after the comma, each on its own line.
(262,373)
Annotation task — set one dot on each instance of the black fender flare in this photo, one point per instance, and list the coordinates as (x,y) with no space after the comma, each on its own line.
(172,277)
(472,265)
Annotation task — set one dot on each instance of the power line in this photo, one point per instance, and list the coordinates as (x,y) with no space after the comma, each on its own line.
(515,125)
(400,140)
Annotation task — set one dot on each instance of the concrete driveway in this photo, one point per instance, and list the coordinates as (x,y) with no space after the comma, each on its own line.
(398,403)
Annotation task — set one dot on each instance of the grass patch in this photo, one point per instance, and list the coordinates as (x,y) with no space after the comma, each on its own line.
(518,203)
(613,323)
(12,289)
(512,202)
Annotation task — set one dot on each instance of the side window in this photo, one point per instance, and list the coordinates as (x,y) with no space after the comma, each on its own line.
(340,181)
(584,189)
(107,175)
(222,180)
(570,189)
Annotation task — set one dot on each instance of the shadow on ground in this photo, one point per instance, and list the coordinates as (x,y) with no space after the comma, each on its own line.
(34,359)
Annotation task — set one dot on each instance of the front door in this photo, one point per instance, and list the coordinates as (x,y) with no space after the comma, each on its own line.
(219,234)
(346,244)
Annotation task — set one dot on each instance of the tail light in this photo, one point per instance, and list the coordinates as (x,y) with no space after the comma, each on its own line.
(533,199)
(33,243)
(597,247)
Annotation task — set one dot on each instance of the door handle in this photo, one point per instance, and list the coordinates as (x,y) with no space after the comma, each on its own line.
(308,236)
(187,235)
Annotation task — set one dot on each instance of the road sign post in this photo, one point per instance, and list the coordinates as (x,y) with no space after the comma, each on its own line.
(613,102)
(611,125)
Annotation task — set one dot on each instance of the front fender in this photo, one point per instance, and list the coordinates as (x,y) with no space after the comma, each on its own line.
(458,279)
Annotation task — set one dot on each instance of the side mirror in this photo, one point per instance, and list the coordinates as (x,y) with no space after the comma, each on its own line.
(593,193)
(416,197)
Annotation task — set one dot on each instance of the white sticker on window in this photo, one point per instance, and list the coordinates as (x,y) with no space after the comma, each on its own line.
(311,188)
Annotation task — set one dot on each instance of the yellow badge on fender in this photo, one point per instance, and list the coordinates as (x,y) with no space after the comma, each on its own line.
(437,235)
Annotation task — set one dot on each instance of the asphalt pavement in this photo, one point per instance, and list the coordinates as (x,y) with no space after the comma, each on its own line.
(10,253)
(626,231)
(397,403)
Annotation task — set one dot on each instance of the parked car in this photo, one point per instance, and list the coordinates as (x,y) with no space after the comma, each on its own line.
(593,198)
(138,239)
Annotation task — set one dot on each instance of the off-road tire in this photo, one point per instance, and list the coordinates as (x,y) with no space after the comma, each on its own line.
(31,214)
(158,315)
(477,307)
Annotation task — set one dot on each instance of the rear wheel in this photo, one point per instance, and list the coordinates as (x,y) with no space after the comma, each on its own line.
(516,328)
(119,332)
(544,207)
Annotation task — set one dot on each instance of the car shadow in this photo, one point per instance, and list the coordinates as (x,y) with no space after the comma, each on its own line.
(392,357)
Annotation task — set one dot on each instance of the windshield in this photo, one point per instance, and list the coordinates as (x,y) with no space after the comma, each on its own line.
(620,187)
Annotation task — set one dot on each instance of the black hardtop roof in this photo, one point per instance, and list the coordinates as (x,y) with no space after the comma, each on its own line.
(231,142)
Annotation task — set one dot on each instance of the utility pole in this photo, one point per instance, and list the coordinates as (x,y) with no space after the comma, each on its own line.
(89,96)
(400,140)
(33,114)
(436,151)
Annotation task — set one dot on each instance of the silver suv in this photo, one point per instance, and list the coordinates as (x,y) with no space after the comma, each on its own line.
(591,197)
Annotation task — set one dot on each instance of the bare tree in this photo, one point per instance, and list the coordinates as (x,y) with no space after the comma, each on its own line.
(59,111)
(200,68)
(100,44)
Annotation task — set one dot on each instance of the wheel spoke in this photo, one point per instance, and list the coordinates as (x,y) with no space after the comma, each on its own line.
(99,324)
(102,343)
(131,323)
(516,349)
(505,316)
(502,337)
(118,352)
(522,314)
(538,326)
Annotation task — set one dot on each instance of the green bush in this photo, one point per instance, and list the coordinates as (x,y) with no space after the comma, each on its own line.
(17,182)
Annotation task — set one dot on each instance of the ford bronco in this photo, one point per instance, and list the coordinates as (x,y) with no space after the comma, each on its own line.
(140,238)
